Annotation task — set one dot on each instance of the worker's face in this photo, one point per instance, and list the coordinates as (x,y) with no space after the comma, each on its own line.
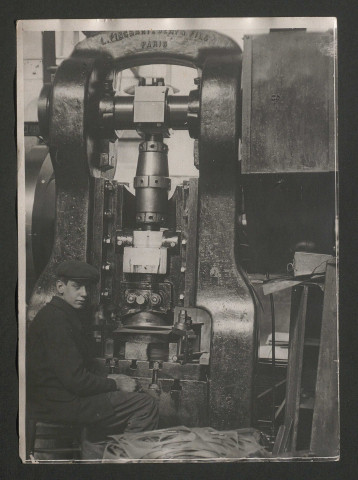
(74,292)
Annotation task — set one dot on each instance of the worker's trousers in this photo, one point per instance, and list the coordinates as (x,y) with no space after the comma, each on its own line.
(130,412)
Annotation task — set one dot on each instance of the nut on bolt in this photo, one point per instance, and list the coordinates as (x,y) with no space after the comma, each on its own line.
(109,186)
(131,298)
(108,214)
(155,299)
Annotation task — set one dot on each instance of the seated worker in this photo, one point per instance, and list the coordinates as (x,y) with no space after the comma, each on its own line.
(62,384)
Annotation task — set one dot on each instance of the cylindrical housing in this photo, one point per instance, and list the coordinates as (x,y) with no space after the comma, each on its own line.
(151,205)
(151,182)
(153,157)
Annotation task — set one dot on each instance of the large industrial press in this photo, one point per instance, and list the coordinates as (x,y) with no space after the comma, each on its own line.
(174,307)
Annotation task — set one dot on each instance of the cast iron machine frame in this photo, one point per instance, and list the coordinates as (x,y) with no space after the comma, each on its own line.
(200,289)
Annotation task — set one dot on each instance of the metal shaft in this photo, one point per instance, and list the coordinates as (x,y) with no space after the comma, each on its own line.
(182,112)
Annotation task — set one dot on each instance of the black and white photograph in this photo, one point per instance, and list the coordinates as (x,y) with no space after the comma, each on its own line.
(178,240)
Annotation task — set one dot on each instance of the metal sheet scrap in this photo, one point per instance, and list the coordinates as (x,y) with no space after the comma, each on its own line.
(186,443)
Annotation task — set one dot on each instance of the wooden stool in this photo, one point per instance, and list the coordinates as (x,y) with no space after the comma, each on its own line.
(51,441)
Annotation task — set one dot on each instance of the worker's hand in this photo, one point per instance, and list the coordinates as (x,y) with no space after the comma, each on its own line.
(125,383)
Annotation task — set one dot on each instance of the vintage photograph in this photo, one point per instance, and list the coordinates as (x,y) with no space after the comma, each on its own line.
(178,240)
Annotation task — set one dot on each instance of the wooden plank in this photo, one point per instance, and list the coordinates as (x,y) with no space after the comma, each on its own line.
(282,438)
(278,441)
(295,358)
(280,408)
(278,285)
(325,423)
(265,392)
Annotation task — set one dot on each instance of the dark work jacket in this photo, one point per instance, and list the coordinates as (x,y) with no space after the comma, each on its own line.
(59,363)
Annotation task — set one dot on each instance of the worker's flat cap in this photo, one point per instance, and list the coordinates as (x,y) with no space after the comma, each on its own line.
(76,270)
